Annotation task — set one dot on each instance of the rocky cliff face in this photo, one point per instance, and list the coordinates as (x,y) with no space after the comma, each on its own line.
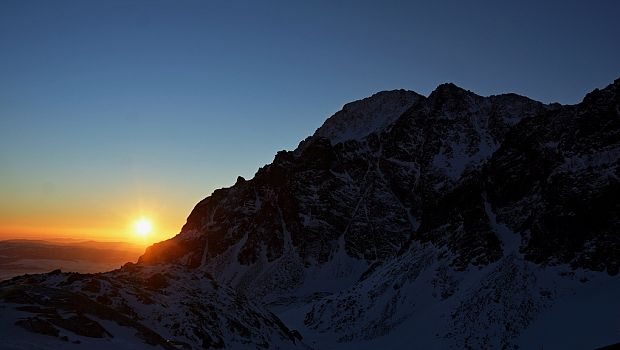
(432,166)
(367,190)
(555,181)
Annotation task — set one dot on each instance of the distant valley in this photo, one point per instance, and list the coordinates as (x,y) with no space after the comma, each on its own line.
(21,256)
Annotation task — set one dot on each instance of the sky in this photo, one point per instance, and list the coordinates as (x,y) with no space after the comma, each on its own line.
(115,110)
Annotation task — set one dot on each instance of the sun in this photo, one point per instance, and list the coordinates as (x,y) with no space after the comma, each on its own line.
(142,227)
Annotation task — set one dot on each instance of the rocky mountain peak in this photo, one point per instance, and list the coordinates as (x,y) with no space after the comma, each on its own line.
(448,89)
(598,96)
(372,114)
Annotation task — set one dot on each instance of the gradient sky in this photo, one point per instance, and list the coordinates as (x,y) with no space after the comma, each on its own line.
(110,110)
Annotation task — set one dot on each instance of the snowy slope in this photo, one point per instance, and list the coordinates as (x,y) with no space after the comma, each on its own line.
(135,307)
(374,114)
(419,299)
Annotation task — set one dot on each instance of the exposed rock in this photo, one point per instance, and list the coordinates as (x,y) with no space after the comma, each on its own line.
(38,325)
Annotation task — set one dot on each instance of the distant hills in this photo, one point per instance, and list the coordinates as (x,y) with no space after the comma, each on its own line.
(20,256)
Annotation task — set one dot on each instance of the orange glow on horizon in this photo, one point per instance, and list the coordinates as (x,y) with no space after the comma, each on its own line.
(99,215)
(140,232)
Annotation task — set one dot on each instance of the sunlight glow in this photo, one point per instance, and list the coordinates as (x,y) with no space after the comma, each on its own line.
(142,227)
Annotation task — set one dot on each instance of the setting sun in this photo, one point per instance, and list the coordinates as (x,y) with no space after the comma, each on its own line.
(142,227)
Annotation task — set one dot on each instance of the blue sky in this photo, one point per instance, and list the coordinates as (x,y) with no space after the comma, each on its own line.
(161,102)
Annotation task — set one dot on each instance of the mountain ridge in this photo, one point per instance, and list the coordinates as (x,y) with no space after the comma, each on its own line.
(314,143)
(458,221)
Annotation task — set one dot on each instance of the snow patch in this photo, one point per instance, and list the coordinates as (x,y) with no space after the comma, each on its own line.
(358,119)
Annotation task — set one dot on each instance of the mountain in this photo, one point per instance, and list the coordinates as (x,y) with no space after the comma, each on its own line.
(448,221)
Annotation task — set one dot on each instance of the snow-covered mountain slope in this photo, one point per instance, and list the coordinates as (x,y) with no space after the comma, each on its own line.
(136,307)
(419,299)
(361,118)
